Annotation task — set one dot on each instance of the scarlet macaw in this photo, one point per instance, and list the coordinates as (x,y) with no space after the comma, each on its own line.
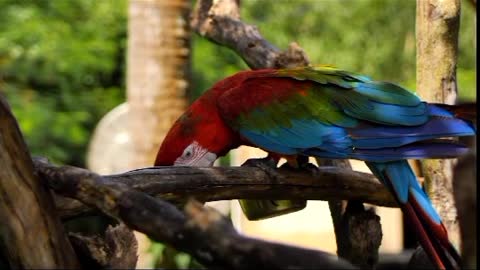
(325,112)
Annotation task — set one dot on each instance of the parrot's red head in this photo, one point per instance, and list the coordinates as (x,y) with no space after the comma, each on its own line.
(197,138)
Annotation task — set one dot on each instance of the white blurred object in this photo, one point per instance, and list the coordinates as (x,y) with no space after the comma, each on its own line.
(110,146)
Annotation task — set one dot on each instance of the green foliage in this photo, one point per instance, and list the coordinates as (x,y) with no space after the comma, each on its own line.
(62,68)
(166,257)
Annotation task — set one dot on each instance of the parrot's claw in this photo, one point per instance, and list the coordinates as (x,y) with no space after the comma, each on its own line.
(268,165)
(307,167)
(260,162)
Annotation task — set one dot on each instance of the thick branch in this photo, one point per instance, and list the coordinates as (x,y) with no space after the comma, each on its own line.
(202,232)
(223,183)
(30,232)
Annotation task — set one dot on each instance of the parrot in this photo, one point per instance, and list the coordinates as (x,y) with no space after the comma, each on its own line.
(326,112)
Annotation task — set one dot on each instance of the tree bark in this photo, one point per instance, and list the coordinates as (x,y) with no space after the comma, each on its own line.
(437,26)
(31,234)
(157,73)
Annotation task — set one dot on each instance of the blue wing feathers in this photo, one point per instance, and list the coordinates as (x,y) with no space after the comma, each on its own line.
(388,114)
(386,92)
(379,111)
(302,134)
(266,143)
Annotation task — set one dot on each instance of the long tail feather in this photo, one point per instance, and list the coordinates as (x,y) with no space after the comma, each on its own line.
(418,210)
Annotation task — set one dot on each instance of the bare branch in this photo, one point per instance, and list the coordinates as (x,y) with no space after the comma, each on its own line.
(176,184)
(202,232)
(219,21)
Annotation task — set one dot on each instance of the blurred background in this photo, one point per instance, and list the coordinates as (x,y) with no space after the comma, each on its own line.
(68,67)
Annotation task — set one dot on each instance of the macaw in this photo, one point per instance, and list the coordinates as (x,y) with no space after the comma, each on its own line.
(325,112)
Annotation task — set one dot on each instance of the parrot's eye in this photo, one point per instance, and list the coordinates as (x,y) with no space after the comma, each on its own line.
(188,152)
(195,155)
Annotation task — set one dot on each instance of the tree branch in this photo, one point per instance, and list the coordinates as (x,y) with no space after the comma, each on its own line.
(219,21)
(176,184)
(202,232)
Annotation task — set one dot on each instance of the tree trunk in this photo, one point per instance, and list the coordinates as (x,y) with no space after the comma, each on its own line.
(437,26)
(31,235)
(158,68)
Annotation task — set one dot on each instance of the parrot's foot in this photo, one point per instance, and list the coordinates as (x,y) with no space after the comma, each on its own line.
(302,164)
(262,209)
(267,164)
(309,167)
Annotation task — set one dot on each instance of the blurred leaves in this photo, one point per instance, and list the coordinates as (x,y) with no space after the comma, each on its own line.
(166,257)
(62,68)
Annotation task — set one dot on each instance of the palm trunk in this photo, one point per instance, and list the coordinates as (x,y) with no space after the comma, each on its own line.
(158,67)
(157,73)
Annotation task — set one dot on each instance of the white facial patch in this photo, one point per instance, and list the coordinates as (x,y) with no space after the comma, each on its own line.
(195,155)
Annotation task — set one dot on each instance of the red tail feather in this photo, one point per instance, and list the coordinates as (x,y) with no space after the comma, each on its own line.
(466,111)
(432,236)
